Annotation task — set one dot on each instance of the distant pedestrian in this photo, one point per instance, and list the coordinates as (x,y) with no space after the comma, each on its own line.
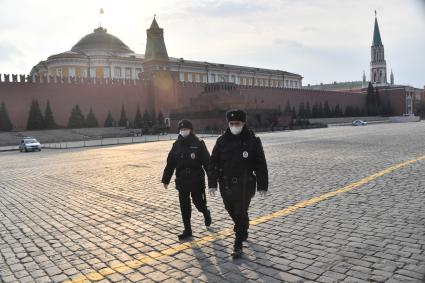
(189,157)
(239,165)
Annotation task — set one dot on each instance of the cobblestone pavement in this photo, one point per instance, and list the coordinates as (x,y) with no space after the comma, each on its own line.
(101,214)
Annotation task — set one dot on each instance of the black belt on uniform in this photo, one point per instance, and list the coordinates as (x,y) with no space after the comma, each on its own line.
(189,170)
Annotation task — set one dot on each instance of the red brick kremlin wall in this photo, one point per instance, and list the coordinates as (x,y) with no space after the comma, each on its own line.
(162,93)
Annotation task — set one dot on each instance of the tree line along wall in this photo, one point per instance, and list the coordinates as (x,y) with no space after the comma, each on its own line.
(164,95)
(102,98)
(196,100)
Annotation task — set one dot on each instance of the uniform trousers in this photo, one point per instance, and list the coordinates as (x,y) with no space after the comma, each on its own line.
(238,211)
(198,199)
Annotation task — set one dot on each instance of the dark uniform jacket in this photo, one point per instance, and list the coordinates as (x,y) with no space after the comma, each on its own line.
(238,163)
(189,157)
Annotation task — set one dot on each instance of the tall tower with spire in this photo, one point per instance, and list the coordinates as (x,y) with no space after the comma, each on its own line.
(156,68)
(156,56)
(378,66)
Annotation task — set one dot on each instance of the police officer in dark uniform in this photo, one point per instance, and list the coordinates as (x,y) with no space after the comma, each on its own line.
(189,157)
(239,165)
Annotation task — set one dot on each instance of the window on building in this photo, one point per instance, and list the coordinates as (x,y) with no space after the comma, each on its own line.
(128,73)
(71,72)
(117,72)
(138,72)
(197,78)
(59,72)
(92,72)
(106,73)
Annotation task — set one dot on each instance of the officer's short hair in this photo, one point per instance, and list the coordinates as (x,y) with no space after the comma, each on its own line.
(236,115)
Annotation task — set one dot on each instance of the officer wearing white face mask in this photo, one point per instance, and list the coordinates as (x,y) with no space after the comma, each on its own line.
(189,157)
(239,165)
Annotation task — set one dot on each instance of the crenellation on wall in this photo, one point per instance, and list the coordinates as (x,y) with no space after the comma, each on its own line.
(34,79)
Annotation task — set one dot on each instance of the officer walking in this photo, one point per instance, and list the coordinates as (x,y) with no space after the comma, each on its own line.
(189,157)
(239,165)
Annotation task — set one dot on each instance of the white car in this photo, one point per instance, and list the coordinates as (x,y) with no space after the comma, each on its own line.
(29,144)
(359,123)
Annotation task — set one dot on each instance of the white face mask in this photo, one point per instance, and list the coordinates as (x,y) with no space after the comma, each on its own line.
(236,130)
(184,133)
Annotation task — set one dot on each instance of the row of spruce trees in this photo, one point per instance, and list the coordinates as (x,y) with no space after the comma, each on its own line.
(319,110)
(374,107)
(37,121)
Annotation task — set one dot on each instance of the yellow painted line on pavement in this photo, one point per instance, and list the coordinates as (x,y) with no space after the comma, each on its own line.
(153,256)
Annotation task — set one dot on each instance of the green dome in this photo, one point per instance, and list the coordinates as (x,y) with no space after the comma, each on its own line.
(100,40)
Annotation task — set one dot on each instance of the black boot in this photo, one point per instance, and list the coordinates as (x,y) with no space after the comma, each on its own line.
(207,218)
(185,235)
(245,237)
(237,249)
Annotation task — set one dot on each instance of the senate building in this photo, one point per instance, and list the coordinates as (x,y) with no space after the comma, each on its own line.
(103,55)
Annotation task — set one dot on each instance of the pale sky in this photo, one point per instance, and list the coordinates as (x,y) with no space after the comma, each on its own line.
(322,40)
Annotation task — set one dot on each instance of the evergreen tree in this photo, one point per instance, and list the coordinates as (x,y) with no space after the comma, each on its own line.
(76,119)
(123,118)
(301,110)
(49,121)
(337,111)
(153,118)
(349,111)
(327,110)
(378,105)
(307,110)
(35,118)
(320,111)
(357,112)
(109,121)
(161,120)
(288,107)
(314,111)
(91,121)
(147,121)
(294,113)
(138,121)
(5,124)
(371,103)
